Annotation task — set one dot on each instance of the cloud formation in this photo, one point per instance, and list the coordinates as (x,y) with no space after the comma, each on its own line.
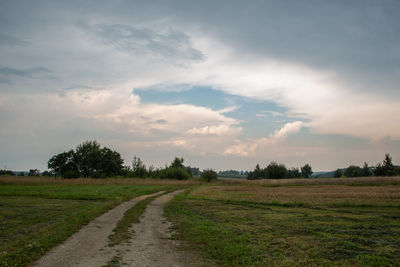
(8,74)
(250,147)
(167,44)
(331,70)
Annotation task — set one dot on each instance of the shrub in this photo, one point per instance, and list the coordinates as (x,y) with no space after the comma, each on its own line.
(209,175)
(175,173)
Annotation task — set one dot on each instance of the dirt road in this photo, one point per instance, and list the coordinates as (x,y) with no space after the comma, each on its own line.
(149,246)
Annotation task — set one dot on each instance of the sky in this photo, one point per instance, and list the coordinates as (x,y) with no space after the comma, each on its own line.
(223,84)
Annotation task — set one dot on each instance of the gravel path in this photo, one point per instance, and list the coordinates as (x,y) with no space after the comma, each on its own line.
(150,245)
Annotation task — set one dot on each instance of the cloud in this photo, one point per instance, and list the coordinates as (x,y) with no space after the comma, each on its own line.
(319,63)
(252,147)
(214,130)
(8,74)
(168,44)
(10,40)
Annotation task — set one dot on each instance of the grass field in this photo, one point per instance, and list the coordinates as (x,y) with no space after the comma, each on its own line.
(313,222)
(38,213)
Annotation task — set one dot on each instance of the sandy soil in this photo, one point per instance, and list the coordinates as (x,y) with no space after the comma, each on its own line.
(150,245)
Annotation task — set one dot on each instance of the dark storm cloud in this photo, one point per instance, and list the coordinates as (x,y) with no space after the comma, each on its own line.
(359,40)
(9,40)
(8,74)
(171,45)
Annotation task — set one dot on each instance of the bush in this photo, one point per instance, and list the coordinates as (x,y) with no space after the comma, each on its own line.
(175,173)
(209,175)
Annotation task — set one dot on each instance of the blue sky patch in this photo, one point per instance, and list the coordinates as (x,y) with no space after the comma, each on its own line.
(258,118)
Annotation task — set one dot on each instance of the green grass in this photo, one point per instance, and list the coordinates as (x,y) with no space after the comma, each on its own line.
(121,231)
(35,218)
(235,229)
(78,191)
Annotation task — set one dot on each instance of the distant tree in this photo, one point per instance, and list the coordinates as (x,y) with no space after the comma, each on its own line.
(365,170)
(88,157)
(353,171)
(33,172)
(63,162)
(256,174)
(209,175)
(177,163)
(338,173)
(275,171)
(138,168)
(293,173)
(379,170)
(194,171)
(388,165)
(110,163)
(47,174)
(306,171)
(88,160)
(386,168)
(7,172)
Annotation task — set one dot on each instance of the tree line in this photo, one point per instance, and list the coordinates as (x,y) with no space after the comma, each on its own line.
(384,168)
(91,161)
(276,170)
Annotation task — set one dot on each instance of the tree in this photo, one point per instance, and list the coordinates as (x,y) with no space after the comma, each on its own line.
(138,167)
(47,174)
(177,163)
(293,173)
(110,163)
(306,171)
(352,171)
(63,162)
(338,173)
(386,168)
(88,157)
(275,171)
(365,170)
(88,160)
(209,175)
(33,172)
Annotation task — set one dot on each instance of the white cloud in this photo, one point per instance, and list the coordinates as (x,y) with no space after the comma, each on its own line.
(253,147)
(215,130)
(317,96)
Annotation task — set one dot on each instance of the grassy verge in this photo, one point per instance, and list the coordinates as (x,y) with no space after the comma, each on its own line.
(36,217)
(121,231)
(259,226)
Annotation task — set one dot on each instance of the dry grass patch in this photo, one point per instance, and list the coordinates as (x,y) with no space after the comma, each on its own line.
(310,195)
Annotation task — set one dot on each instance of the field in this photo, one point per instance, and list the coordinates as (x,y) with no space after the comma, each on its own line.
(39,213)
(311,222)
